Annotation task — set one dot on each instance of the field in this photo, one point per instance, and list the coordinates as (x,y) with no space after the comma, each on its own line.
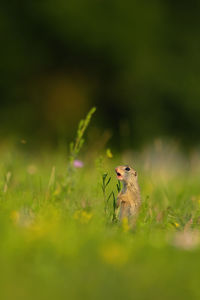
(60,233)
(58,242)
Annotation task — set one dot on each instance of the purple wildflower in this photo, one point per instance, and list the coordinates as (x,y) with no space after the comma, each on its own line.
(78,163)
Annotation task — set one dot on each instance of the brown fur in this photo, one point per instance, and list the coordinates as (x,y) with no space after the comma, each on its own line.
(128,200)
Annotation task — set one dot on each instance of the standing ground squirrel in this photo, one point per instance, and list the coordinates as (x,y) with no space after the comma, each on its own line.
(129,199)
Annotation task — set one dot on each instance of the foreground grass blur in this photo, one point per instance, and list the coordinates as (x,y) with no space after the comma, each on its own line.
(57,242)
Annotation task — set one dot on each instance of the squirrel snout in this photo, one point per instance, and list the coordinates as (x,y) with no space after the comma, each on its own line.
(117,170)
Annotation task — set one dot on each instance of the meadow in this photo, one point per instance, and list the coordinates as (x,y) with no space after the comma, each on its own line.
(59,239)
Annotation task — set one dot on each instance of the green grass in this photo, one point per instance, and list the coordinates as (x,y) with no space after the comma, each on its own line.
(58,243)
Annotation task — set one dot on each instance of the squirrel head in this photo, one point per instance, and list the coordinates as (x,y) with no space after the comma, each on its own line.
(126,174)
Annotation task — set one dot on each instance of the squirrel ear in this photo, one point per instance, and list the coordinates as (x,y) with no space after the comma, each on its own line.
(135,173)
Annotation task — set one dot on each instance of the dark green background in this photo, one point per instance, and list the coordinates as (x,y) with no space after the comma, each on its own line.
(137,61)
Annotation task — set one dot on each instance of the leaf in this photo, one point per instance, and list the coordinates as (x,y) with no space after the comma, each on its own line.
(71,146)
(109,196)
(108,181)
(118,186)
(114,201)
(104,177)
(79,141)
(80,125)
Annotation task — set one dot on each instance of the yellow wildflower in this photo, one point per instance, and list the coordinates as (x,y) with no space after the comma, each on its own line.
(83,216)
(177,225)
(109,153)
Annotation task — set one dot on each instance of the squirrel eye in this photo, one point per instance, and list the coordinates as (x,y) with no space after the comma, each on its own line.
(127,169)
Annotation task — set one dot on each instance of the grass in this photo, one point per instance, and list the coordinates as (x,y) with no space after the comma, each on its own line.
(57,241)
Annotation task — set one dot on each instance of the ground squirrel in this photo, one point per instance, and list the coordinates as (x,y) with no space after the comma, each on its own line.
(129,199)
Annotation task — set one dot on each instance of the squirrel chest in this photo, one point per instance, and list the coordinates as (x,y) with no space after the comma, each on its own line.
(128,202)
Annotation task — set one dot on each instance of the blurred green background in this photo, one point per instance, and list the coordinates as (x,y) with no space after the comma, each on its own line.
(137,61)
